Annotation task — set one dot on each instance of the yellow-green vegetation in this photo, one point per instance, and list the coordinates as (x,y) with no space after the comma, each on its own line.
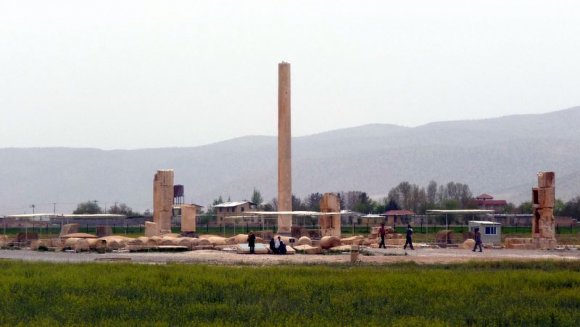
(475,294)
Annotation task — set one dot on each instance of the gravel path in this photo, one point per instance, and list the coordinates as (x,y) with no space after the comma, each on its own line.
(378,257)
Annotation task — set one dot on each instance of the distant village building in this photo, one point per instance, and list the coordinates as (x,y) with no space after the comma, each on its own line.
(487,202)
(395,217)
(350,217)
(236,208)
(372,219)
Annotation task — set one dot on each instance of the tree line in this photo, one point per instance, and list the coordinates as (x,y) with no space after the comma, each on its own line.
(405,195)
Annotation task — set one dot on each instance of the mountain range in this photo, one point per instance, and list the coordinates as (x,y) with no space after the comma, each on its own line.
(498,156)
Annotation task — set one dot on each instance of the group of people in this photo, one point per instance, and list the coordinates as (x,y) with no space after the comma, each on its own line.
(409,238)
(277,246)
(408,241)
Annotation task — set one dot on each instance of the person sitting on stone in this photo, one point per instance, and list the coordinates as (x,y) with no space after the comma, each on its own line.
(273,246)
(282,248)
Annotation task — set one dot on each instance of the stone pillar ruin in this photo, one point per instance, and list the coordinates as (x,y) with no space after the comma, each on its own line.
(330,224)
(188,217)
(543,222)
(284,149)
(163,200)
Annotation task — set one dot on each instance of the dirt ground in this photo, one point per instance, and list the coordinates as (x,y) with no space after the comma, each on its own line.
(373,257)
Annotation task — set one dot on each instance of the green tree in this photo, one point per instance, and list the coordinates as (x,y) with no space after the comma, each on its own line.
(211,207)
(509,208)
(409,196)
(559,207)
(297,204)
(432,192)
(572,208)
(257,197)
(312,201)
(88,207)
(122,209)
(525,207)
(392,205)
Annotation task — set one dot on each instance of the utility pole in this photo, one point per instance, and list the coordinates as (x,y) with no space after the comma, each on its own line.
(26,225)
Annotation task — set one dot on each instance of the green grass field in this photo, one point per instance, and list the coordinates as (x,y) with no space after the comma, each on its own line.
(475,294)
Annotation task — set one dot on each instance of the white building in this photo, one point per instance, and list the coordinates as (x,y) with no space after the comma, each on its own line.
(490,231)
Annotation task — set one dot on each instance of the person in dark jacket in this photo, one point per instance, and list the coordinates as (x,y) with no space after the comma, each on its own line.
(477,240)
(252,242)
(382,232)
(273,246)
(282,248)
(409,240)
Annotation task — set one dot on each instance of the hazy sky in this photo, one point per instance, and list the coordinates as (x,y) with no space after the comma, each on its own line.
(134,74)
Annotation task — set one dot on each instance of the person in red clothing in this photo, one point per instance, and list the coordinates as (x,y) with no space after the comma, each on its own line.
(382,233)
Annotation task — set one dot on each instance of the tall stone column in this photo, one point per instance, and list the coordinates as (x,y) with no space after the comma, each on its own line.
(543,200)
(163,200)
(284,149)
(330,224)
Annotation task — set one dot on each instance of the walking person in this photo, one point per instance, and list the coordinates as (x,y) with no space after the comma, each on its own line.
(252,242)
(477,240)
(409,240)
(382,233)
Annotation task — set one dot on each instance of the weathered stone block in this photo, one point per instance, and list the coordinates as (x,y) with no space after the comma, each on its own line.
(328,242)
(307,249)
(188,218)
(151,229)
(546,179)
(468,244)
(163,200)
(304,240)
(546,197)
(330,224)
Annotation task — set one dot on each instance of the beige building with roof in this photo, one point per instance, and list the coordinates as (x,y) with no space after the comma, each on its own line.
(236,208)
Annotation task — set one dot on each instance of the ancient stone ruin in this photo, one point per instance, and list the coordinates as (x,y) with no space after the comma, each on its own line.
(543,222)
(163,200)
(330,224)
(284,149)
(188,217)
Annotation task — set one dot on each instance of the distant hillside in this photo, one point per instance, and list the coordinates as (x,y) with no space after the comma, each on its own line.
(499,156)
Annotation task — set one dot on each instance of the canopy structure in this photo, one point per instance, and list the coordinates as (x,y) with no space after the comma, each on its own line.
(264,215)
(399,213)
(294,213)
(457,211)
